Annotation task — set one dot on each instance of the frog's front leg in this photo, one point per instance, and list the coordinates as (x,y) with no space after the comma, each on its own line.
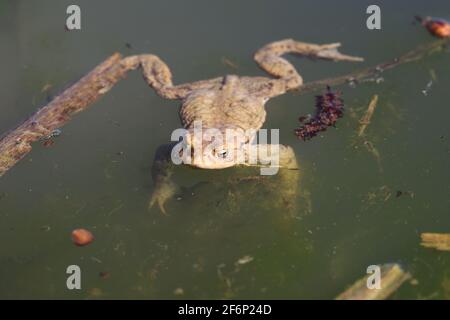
(270,59)
(162,172)
(158,76)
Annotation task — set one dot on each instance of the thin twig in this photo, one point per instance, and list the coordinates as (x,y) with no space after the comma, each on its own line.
(411,56)
(365,120)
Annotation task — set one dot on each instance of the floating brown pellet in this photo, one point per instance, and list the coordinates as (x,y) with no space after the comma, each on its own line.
(82,237)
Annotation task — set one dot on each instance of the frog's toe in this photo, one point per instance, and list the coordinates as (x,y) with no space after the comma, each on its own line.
(161,195)
(160,203)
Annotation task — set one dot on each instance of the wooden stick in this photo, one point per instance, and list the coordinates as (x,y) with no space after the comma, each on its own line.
(15,144)
(365,120)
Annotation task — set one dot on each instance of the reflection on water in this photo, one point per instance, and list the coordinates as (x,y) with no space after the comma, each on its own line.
(227,235)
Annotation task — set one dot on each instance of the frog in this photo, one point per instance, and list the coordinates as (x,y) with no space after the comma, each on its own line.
(230,102)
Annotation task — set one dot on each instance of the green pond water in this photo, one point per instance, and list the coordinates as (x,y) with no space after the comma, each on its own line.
(222,239)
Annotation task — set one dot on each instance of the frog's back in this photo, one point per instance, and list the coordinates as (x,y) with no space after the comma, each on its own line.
(229,105)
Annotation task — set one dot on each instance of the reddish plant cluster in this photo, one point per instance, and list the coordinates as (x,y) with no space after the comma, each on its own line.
(330,107)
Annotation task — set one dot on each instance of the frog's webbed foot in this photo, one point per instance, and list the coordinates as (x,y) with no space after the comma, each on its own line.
(162,171)
(330,52)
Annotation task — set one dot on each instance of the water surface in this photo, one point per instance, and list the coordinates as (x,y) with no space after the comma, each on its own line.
(97,175)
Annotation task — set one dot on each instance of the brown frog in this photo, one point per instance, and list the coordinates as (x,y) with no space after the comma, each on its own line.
(229,102)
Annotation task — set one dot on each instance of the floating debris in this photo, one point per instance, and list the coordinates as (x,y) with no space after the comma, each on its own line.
(374,151)
(438,241)
(392,277)
(45,228)
(95,259)
(46,87)
(376,197)
(414,282)
(352,82)
(400,193)
(427,88)
(330,107)
(178,292)
(365,120)
(104,274)
(433,75)
(438,27)
(377,80)
(244,260)
(229,63)
(82,237)
(95,293)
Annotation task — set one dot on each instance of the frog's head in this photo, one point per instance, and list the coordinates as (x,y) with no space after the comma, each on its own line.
(216,148)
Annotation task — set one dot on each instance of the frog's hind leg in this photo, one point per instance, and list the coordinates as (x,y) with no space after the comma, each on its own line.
(285,185)
(162,171)
(270,59)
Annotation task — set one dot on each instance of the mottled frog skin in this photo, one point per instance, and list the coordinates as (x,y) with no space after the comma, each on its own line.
(229,102)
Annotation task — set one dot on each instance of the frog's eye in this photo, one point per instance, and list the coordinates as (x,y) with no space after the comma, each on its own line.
(222,153)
